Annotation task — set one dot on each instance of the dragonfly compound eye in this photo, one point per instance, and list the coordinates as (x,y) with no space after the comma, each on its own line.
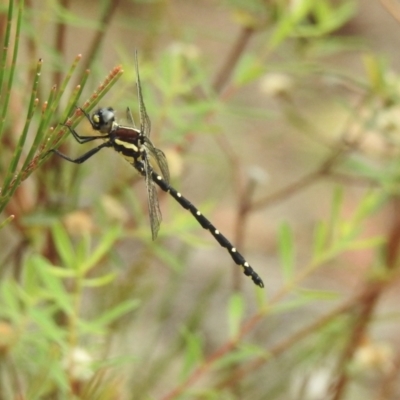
(103,119)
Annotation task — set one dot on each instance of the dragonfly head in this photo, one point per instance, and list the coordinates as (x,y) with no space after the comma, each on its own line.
(103,120)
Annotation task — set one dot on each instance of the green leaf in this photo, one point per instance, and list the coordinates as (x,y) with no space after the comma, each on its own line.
(235,314)
(375,68)
(311,18)
(326,18)
(316,295)
(99,281)
(304,296)
(105,246)
(292,304)
(82,252)
(6,221)
(169,258)
(242,353)
(370,203)
(320,240)
(109,316)
(193,351)
(248,70)
(61,272)
(55,288)
(287,251)
(368,243)
(64,246)
(30,281)
(10,304)
(337,203)
(45,321)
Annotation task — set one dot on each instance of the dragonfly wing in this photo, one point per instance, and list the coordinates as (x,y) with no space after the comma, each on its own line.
(154,207)
(160,159)
(162,163)
(129,117)
(145,123)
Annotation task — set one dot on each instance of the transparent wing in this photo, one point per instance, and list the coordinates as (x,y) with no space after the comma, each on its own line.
(154,207)
(145,124)
(160,159)
(129,117)
(145,127)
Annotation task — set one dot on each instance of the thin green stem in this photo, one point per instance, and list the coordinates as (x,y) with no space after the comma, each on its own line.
(44,122)
(57,137)
(6,45)
(13,63)
(18,151)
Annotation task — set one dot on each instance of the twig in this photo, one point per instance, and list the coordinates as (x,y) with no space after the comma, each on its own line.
(345,145)
(109,12)
(393,8)
(287,343)
(60,42)
(367,306)
(239,46)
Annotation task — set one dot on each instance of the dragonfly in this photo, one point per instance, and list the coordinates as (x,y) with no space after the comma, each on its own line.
(134,144)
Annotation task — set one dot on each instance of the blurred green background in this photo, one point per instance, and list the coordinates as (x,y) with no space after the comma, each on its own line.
(280,122)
